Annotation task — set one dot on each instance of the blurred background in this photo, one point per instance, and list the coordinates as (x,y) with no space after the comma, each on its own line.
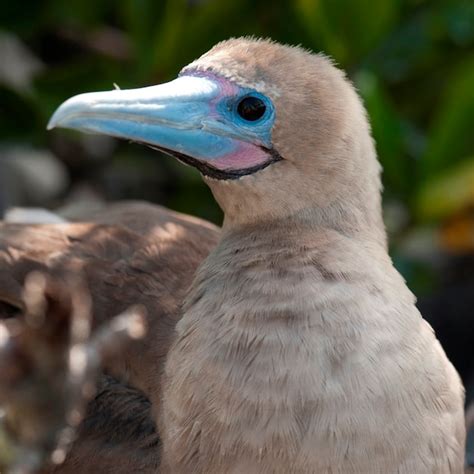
(411,60)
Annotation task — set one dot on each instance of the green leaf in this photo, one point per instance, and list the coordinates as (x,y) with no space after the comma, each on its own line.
(141,19)
(451,136)
(448,193)
(346,29)
(387,131)
(167,38)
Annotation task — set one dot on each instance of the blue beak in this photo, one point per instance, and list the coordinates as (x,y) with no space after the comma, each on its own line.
(193,118)
(175,117)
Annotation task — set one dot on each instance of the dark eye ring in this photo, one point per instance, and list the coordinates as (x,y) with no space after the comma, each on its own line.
(251,108)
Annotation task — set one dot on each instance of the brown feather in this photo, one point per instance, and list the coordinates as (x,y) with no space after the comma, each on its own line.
(129,253)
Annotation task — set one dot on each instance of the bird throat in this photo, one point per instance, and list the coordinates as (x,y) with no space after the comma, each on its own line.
(221,174)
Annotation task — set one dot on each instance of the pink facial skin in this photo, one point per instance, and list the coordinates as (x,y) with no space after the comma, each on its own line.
(247,155)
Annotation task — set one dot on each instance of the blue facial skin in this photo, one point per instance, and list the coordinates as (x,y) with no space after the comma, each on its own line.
(258,131)
(190,116)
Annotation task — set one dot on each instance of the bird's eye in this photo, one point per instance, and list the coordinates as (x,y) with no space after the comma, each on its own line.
(251,108)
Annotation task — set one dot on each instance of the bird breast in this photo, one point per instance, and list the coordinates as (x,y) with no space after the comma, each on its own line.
(284,363)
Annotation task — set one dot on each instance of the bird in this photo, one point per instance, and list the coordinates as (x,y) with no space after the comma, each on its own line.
(298,348)
(127,252)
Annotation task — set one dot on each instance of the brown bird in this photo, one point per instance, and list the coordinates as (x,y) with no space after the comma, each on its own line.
(299,348)
(128,253)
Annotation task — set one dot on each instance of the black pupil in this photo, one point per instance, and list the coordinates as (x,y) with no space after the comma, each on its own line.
(251,108)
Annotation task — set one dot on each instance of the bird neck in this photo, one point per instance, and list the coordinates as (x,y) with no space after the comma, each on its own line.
(287,254)
(362,224)
(253,204)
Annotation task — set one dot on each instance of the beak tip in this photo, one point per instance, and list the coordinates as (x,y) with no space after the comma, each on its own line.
(62,115)
(56,119)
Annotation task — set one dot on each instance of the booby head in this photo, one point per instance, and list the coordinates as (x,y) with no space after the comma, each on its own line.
(273,129)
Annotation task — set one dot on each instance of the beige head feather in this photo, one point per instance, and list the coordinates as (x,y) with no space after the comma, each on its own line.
(329,169)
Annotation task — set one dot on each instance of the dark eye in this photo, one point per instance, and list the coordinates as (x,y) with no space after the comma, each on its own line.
(251,108)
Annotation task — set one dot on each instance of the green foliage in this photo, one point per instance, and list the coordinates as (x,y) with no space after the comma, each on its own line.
(347,30)
(388,128)
(447,194)
(452,132)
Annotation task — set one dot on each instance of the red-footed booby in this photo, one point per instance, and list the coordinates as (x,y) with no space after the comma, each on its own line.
(299,349)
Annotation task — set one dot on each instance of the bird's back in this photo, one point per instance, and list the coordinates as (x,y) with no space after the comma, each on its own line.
(128,253)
